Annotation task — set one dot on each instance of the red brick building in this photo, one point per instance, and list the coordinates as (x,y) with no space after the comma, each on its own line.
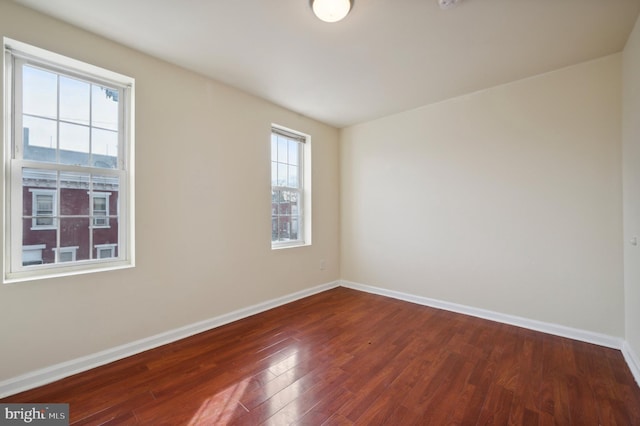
(68,216)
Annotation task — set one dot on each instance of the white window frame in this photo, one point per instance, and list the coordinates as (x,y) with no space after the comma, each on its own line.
(35,192)
(15,54)
(303,190)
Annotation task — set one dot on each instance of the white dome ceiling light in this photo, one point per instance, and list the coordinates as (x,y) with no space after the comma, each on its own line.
(331,10)
(447,4)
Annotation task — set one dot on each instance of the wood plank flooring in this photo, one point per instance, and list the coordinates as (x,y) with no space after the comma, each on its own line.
(345,357)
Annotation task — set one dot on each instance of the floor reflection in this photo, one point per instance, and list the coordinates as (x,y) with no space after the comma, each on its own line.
(221,408)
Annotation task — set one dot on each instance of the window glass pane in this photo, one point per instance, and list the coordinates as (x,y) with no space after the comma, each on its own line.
(32,255)
(275,201)
(74,194)
(37,244)
(40,139)
(293,177)
(74,232)
(283,228)
(44,219)
(293,152)
(74,100)
(39,198)
(282,149)
(100,210)
(106,252)
(39,92)
(282,174)
(274,173)
(104,107)
(285,222)
(100,220)
(36,181)
(274,147)
(294,228)
(65,256)
(43,209)
(274,228)
(291,199)
(104,146)
(99,205)
(103,237)
(105,208)
(106,184)
(74,144)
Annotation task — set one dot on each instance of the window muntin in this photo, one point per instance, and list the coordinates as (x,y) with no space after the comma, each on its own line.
(287,188)
(70,166)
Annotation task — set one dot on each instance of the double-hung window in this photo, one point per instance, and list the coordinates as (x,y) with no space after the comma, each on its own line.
(290,188)
(69,145)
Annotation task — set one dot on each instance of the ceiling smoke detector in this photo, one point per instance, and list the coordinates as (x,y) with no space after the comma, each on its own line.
(447,4)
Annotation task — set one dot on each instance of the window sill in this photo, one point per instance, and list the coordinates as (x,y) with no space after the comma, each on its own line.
(63,269)
(288,245)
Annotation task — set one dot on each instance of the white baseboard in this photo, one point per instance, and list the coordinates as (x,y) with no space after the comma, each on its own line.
(65,369)
(545,327)
(633,361)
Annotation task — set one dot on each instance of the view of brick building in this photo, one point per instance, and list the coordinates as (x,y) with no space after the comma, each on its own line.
(68,214)
(284,216)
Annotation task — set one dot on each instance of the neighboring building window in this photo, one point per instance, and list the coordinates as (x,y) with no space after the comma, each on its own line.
(100,207)
(43,208)
(70,181)
(106,251)
(66,254)
(32,255)
(290,185)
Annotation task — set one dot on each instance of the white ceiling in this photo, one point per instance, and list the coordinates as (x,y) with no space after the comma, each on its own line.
(387,56)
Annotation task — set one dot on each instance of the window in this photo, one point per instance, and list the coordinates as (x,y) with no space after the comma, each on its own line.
(290,184)
(100,207)
(43,208)
(66,254)
(106,251)
(70,185)
(32,255)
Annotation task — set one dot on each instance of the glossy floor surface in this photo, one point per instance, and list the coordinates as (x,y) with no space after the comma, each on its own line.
(345,357)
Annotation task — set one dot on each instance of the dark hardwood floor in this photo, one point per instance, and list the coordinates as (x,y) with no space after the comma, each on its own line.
(344,357)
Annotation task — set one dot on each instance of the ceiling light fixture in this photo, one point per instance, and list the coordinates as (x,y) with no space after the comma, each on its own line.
(331,10)
(447,4)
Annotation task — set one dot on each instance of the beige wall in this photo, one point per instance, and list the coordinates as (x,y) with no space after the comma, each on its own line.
(203,212)
(631,167)
(508,199)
